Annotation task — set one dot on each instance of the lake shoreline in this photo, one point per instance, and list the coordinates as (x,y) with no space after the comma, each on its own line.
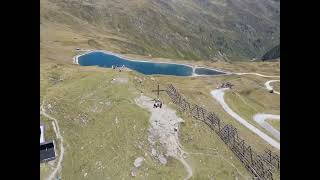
(194,67)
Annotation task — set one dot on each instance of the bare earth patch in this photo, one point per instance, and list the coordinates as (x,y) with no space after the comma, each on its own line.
(164,129)
(121,80)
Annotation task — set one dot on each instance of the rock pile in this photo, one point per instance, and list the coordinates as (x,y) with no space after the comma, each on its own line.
(226,85)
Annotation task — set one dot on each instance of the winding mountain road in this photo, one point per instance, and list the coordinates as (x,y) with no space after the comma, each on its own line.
(261,120)
(257,74)
(267,84)
(218,94)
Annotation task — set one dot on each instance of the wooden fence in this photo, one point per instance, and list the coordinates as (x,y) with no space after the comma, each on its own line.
(261,166)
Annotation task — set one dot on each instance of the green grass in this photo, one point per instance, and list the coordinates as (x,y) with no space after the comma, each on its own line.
(209,156)
(49,132)
(249,97)
(87,105)
(197,90)
(64,86)
(95,144)
(245,109)
(45,170)
(192,31)
(276,86)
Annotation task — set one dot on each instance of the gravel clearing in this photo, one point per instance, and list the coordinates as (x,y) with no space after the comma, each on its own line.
(163,122)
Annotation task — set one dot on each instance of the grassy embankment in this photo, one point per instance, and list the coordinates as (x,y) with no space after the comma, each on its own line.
(104,130)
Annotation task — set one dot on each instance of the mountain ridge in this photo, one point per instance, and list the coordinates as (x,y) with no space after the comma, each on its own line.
(202,29)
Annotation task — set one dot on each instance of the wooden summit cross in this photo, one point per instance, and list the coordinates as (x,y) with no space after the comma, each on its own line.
(158,91)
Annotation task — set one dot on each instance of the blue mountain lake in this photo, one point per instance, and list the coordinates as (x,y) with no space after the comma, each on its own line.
(102,59)
(205,71)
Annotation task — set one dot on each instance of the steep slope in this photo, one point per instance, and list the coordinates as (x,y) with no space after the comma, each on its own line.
(180,29)
(272,53)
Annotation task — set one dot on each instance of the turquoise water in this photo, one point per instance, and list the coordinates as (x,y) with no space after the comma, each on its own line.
(107,60)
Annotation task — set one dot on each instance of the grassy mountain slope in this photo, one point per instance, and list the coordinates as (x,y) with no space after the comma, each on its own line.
(180,29)
(272,53)
(103,129)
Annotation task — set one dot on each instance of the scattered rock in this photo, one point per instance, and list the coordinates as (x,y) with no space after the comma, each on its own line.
(162,159)
(117,121)
(164,130)
(134,172)
(82,118)
(153,152)
(226,85)
(138,162)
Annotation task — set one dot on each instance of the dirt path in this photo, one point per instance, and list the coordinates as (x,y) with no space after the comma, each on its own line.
(218,94)
(261,119)
(57,132)
(257,74)
(164,129)
(267,84)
